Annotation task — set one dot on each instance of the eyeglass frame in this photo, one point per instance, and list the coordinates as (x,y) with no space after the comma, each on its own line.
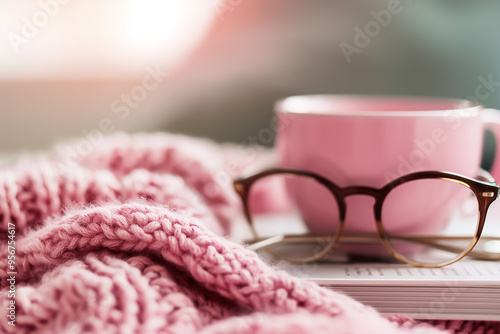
(485,190)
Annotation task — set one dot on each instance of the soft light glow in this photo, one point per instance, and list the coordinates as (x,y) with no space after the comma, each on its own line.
(150,26)
(97,39)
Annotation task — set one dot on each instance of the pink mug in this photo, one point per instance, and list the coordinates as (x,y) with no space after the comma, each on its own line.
(370,141)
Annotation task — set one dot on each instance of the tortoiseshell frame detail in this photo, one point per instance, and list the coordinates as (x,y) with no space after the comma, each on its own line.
(486,192)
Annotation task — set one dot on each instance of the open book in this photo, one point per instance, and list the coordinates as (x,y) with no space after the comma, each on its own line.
(467,290)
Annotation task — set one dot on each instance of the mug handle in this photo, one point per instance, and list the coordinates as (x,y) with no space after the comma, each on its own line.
(491,121)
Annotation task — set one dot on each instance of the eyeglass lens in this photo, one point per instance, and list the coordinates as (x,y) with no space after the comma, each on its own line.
(412,213)
(292,207)
(416,210)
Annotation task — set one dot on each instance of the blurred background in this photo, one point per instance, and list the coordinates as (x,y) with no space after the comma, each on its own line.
(214,68)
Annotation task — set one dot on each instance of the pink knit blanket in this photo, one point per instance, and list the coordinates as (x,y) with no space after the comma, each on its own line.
(130,236)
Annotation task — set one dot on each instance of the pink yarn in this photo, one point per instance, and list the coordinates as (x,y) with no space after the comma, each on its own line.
(129,241)
(31,195)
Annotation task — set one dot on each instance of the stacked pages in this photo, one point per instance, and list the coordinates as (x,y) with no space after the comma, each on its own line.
(466,290)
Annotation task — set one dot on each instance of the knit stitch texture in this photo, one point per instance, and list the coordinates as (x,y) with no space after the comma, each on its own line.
(132,238)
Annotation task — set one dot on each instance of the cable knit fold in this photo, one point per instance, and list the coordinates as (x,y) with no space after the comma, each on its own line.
(131,238)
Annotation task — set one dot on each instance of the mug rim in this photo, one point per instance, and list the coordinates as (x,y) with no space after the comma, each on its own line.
(321,105)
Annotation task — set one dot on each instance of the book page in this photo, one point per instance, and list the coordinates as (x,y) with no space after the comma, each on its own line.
(462,273)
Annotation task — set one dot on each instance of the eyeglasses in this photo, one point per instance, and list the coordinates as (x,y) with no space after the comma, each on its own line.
(410,215)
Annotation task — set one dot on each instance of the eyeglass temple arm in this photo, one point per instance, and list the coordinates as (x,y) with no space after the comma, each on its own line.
(434,242)
(431,241)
